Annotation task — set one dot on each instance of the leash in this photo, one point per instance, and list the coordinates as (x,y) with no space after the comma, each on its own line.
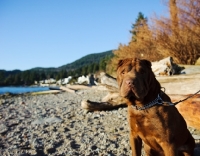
(175,103)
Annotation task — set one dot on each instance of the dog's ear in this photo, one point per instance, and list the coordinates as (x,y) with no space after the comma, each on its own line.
(120,63)
(147,63)
(124,61)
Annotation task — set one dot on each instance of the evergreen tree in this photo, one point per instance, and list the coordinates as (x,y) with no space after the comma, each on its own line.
(32,77)
(95,68)
(79,71)
(42,76)
(57,77)
(9,80)
(102,64)
(90,68)
(84,70)
(139,22)
(17,79)
(2,77)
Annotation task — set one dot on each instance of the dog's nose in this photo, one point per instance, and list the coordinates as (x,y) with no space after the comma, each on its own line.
(129,82)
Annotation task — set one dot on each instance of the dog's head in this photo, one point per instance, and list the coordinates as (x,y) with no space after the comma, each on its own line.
(134,77)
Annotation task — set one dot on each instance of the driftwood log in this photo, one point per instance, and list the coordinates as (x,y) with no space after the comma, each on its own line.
(189,109)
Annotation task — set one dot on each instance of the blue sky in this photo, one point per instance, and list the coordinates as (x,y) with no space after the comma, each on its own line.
(52,33)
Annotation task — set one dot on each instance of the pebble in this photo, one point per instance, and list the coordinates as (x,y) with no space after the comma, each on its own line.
(3,128)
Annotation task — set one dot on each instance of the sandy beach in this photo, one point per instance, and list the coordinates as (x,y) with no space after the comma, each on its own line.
(55,124)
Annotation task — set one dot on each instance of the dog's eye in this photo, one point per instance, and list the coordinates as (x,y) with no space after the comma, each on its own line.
(129,68)
(123,72)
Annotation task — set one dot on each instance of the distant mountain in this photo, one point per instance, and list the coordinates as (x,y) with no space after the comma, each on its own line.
(43,69)
(10,72)
(86,60)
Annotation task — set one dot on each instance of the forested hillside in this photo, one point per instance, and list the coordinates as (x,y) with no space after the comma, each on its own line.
(86,60)
(88,64)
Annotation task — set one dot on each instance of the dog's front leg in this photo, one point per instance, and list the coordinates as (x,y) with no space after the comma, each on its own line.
(170,149)
(136,145)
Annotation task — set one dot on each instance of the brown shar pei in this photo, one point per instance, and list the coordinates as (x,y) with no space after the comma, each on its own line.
(160,126)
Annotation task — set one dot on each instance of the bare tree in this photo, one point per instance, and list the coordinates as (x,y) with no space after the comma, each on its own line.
(179,35)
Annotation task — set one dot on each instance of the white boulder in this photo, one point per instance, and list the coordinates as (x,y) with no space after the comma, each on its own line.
(83,79)
(64,80)
(165,66)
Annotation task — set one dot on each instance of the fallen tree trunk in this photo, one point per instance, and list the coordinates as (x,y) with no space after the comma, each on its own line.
(67,89)
(189,109)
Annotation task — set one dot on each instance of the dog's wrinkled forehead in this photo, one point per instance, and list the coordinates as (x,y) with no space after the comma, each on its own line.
(127,61)
(134,63)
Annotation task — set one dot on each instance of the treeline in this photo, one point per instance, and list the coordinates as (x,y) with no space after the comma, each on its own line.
(176,36)
(28,77)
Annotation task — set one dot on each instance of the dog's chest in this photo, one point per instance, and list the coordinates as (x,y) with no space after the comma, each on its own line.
(138,122)
(141,121)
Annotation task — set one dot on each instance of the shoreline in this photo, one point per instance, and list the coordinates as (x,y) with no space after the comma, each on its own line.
(14,90)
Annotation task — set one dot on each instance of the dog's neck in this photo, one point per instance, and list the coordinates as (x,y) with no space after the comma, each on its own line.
(154,90)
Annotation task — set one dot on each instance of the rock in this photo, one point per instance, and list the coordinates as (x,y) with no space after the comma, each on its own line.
(105,79)
(2,101)
(196,137)
(166,66)
(38,121)
(3,128)
(23,103)
(64,81)
(49,120)
(50,148)
(83,80)
(37,143)
(53,120)
(13,122)
(88,80)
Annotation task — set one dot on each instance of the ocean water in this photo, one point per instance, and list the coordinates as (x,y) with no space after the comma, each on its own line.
(19,90)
